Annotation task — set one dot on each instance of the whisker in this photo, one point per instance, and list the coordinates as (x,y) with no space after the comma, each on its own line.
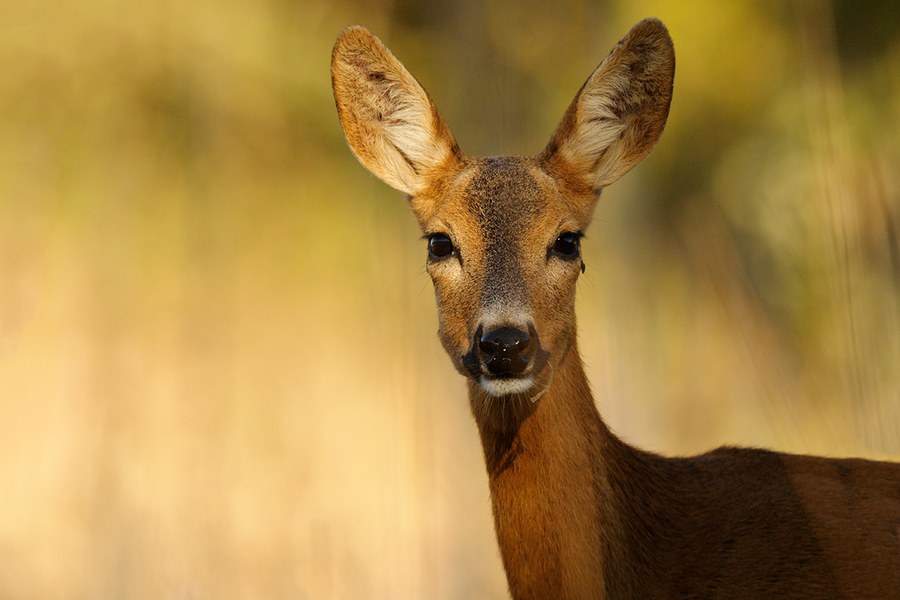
(537,396)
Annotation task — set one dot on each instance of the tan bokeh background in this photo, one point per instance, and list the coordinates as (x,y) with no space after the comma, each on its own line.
(218,370)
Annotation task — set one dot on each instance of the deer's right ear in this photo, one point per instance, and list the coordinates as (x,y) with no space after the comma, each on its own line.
(620,111)
(389,121)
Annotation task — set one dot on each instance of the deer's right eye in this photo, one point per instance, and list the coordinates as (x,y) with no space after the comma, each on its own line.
(566,245)
(439,246)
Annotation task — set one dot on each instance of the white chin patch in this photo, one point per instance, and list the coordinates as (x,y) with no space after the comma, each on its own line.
(505,387)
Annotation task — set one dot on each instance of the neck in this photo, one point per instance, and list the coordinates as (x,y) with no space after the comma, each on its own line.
(548,470)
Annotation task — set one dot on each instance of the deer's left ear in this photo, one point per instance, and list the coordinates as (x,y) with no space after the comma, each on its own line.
(389,121)
(620,111)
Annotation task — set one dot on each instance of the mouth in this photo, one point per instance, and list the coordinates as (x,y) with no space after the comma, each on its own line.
(505,361)
(505,386)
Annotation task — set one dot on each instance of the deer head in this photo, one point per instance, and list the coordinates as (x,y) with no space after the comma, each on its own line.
(504,233)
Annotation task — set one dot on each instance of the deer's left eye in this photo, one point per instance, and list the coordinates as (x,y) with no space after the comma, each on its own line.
(567,245)
(439,246)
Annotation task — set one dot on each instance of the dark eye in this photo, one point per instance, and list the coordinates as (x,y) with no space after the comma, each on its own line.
(439,246)
(566,245)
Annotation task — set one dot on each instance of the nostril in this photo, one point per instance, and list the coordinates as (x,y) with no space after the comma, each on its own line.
(523,343)
(491,344)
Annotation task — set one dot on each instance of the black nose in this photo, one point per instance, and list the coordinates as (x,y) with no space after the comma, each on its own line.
(505,351)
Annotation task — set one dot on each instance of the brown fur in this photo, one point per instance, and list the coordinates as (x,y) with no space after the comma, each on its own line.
(578,513)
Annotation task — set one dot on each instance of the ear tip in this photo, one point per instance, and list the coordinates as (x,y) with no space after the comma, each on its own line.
(651,24)
(652,31)
(353,36)
(354,32)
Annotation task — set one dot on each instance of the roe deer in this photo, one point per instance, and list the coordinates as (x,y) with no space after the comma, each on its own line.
(579,513)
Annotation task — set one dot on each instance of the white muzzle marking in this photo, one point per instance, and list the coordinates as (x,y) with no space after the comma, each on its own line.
(506,387)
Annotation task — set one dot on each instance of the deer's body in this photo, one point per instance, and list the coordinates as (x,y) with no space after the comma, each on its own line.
(581,514)
(578,513)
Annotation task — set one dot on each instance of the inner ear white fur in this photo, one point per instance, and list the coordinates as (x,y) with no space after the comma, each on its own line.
(389,121)
(620,112)
(593,146)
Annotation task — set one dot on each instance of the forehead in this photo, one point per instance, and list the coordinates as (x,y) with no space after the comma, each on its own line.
(496,193)
(516,195)
(503,189)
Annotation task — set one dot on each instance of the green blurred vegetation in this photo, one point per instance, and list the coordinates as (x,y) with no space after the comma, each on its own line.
(218,370)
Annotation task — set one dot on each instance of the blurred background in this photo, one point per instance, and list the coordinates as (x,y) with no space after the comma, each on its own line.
(219,375)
